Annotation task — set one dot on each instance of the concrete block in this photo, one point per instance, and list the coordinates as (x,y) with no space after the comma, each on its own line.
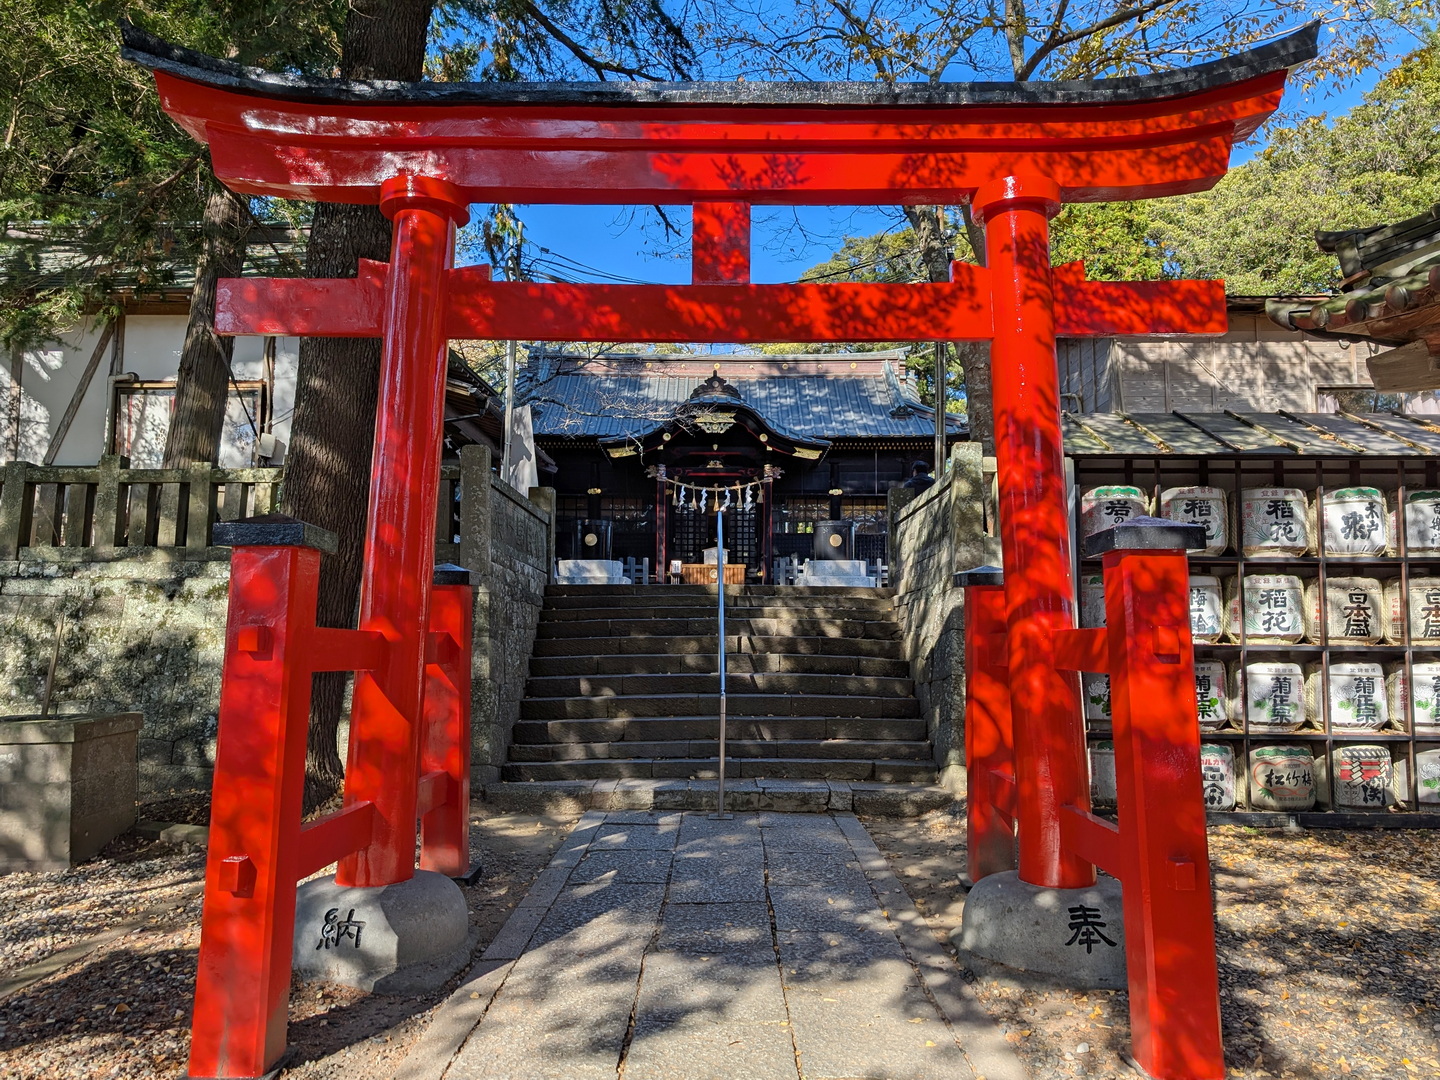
(70,787)
(406,938)
(1074,937)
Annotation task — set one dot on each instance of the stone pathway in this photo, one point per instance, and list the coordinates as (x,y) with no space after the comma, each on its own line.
(672,947)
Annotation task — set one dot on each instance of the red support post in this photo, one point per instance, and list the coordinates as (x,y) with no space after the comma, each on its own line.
(248,919)
(1169,915)
(399,543)
(445,745)
(989,737)
(1050,766)
(720,243)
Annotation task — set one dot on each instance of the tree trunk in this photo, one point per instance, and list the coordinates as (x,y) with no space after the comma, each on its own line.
(974,356)
(327,469)
(203,382)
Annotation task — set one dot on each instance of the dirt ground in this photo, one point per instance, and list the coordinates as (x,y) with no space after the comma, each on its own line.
(1329,949)
(1329,959)
(124,1011)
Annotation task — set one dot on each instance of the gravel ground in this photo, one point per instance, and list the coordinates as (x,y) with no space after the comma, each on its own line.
(1329,960)
(1329,948)
(124,1011)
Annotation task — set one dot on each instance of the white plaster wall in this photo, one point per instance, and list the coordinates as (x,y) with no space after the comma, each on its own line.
(152,345)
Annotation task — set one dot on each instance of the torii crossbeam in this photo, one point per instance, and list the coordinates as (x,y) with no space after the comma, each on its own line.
(1014,151)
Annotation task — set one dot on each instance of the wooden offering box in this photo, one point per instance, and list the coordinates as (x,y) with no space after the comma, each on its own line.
(704,573)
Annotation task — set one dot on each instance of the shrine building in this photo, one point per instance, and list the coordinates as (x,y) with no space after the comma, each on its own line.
(806,447)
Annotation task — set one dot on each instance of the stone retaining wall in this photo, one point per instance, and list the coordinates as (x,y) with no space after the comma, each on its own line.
(144,626)
(931,537)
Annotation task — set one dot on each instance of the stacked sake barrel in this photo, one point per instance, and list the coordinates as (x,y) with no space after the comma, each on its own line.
(1278,695)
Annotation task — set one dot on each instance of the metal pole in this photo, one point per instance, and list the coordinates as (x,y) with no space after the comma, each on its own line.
(720,659)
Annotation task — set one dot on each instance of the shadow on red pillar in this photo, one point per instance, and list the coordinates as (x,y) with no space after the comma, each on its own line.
(242,984)
(1049,732)
(989,737)
(1159,850)
(385,721)
(445,746)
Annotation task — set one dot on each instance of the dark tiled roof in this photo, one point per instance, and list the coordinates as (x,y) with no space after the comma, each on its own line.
(1286,52)
(871,403)
(1261,434)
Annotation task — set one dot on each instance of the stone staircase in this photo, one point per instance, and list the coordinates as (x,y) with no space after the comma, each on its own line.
(623,687)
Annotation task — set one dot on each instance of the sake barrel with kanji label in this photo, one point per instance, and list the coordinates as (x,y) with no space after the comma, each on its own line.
(1272,696)
(1217,776)
(1207,609)
(1355,521)
(1422,522)
(1357,696)
(1418,605)
(1363,776)
(1281,778)
(1212,698)
(1103,787)
(1427,776)
(1207,507)
(1096,689)
(1092,599)
(1426,680)
(1275,522)
(1102,507)
(1354,610)
(1274,609)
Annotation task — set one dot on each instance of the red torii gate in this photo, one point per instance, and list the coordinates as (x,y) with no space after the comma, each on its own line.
(423,152)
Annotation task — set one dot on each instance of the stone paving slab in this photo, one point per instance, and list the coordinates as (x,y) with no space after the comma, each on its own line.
(769,946)
(628,867)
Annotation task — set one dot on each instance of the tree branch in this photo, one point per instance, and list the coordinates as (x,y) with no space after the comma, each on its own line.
(1058,41)
(866,39)
(600,67)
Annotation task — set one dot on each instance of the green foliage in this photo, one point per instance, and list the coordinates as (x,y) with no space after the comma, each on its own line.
(1256,229)
(1114,240)
(891,256)
(98,188)
(1377,164)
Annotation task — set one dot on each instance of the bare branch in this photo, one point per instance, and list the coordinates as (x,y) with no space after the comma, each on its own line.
(1056,41)
(595,64)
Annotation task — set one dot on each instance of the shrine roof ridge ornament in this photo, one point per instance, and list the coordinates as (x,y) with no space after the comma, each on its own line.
(1281,54)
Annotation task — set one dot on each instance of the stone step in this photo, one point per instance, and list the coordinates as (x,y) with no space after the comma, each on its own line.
(665,705)
(890,772)
(813,593)
(741,795)
(846,749)
(734,644)
(661,600)
(882,630)
(704,663)
(639,685)
(709,611)
(702,726)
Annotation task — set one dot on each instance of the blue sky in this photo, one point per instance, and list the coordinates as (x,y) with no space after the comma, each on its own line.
(628,244)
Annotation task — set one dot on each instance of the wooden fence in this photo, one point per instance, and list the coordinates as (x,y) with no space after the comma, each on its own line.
(106,507)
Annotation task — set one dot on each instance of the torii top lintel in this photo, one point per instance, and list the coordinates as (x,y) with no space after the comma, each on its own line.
(673,143)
